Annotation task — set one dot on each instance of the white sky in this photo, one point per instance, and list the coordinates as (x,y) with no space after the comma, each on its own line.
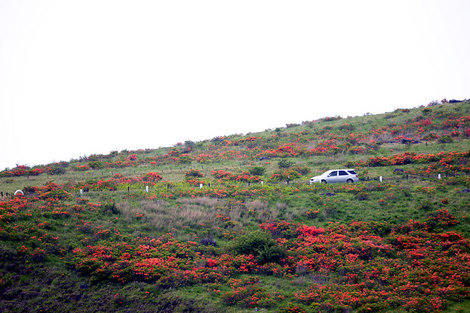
(84,77)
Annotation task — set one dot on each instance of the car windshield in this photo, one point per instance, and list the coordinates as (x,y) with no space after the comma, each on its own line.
(352,172)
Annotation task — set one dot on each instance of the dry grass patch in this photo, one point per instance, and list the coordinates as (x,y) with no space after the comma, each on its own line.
(162,215)
(203,201)
(256,205)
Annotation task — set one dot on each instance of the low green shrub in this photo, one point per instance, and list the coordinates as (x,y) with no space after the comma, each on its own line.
(445,139)
(259,244)
(257,170)
(285,163)
(192,173)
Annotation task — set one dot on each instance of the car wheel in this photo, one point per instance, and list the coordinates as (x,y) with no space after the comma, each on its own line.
(323,181)
(349,180)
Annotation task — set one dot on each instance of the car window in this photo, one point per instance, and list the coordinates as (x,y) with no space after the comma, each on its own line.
(334,173)
(343,173)
(352,172)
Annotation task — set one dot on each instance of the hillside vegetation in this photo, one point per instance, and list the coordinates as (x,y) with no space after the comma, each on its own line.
(232,223)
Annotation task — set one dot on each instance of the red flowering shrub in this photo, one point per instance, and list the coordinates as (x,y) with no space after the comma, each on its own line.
(439,162)
(311,230)
(431,136)
(222,175)
(20,170)
(204,158)
(291,173)
(192,173)
(329,146)
(81,167)
(246,177)
(331,118)
(246,292)
(185,158)
(457,122)
(152,176)
(133,157)
(195,182)
(287,150)
(357,149)
(228,176)
(282,229)
(441,219)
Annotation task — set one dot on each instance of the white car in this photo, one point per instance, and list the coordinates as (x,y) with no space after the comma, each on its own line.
(336,176)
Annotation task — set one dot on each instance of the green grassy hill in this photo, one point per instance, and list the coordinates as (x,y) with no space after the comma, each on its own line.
(232,224)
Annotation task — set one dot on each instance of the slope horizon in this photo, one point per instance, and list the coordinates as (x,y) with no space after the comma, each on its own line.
(43,161)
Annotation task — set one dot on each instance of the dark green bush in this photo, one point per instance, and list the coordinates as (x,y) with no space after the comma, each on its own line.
(96,165)
(427,111)
(425,205)
(259,244)
(110,206)
(284,163)
(347,126)
(55,170)
(257,170)
(192,173)
(362,196)
(445,139)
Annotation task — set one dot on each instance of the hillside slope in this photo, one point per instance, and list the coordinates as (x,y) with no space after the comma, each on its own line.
(232,223)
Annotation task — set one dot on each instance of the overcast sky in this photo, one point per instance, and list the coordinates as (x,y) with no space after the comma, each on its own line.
(85,77)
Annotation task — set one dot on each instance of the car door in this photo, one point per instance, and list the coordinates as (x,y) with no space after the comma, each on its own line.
(342,176)
(332,177)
